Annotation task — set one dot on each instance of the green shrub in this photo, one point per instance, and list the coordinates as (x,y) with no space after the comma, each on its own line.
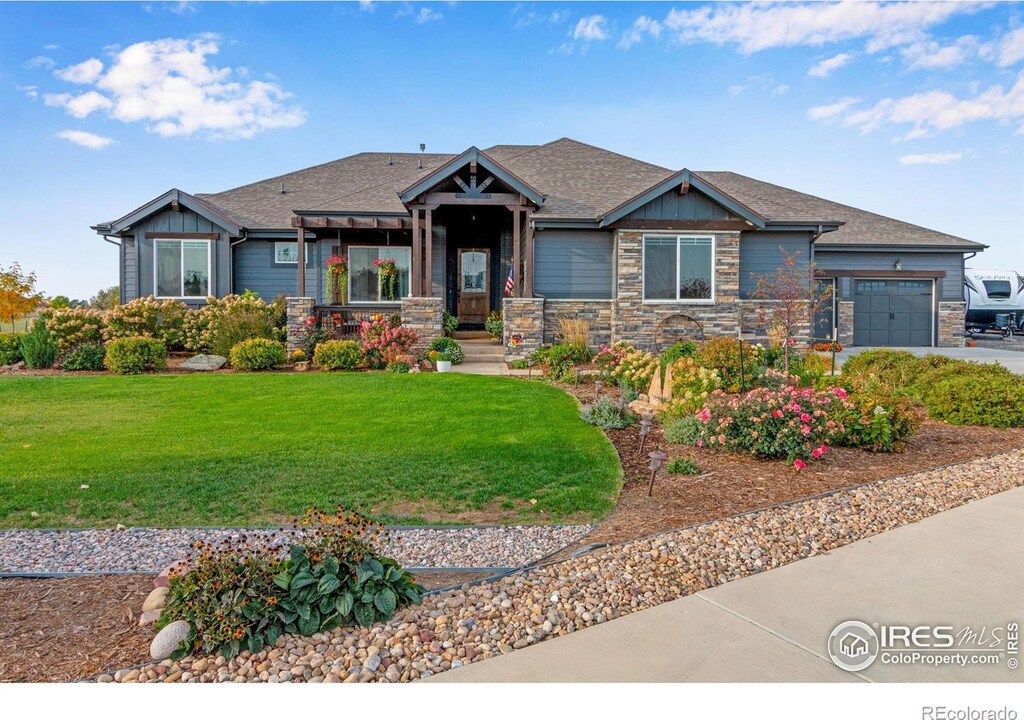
(682,466)
(10,348)
(224,322)
(678,350)
(397,367)
(723,354)
(84,356)
(559,361)
(494,325)
(243,596)
(449,323)
(606,413)
(877,423)
(149,317)
(449,349)
(257,354)
(39,346)
(986,396)
(134,355)
(338,355)
(520,364)
(683,430)
(881,370)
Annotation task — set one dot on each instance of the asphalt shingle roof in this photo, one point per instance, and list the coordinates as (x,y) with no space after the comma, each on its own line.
(579,181)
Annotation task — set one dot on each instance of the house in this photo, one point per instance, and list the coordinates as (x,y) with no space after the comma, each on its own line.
(639,250)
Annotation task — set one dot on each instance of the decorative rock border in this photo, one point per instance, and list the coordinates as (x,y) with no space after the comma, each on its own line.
(458,627)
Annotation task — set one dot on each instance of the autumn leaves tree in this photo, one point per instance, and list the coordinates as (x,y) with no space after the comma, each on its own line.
(18,294)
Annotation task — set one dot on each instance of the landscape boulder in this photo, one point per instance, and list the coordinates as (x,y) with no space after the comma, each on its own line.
(204,362)
(168,639)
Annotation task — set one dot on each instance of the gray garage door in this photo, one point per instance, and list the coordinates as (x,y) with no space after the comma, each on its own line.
(894,313)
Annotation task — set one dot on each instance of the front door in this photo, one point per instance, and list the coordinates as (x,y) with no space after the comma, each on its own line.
(473,294)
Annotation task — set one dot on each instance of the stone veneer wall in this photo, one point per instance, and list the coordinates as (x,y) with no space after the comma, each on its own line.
(755,319)
(951,324)
(522,316)
(596,312)
(425,316)
(844,322)
(298,310)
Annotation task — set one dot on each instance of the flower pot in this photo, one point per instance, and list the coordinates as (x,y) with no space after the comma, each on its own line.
(444,365)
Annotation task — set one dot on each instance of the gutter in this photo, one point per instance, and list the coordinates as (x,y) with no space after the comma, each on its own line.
(106,238)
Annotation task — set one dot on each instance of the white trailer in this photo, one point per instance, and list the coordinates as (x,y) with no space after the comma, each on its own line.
(995,299)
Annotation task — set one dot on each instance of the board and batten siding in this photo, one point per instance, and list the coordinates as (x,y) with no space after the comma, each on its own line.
(129,270)
(574,265)
(185,221)
(255,269)
(760,253)
(673,206)
(950,287)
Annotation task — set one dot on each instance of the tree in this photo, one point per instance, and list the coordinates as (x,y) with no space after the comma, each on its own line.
(792,297)
(18,294)
(106,299)
(59,302)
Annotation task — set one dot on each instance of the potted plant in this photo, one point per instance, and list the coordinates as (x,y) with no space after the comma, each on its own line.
(493,325)
(337,280)
(440,363)
(387,278)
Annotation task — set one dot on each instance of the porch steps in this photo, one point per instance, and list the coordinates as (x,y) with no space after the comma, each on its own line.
(461,335)
(482,351)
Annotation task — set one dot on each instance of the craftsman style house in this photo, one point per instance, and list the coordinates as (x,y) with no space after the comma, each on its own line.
(574,230)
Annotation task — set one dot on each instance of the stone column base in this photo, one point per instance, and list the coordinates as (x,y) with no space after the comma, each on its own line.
(424,315)
(298,310)
(522,319)
(951,324)
(844,322)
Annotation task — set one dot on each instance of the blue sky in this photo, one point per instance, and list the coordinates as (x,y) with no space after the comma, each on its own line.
(910,110)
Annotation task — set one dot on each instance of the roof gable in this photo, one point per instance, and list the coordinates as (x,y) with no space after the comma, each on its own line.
(471,156)
(172,198)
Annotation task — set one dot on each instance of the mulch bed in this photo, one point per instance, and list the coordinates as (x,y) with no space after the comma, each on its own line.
(60,630)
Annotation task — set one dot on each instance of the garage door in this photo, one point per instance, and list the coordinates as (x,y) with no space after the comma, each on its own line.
(894,313)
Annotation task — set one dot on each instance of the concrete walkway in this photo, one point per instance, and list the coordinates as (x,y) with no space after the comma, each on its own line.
(1010,359)
(961,567)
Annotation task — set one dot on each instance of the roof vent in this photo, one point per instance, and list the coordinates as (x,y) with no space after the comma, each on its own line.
(391,159)
(423,147)
(282,188)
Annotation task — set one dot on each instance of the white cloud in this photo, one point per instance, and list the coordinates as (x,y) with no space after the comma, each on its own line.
(183,7)
(823,112)
(367,5)
(643,27)
(590,28)
(929,113)
(51,47)
(759,26)
(930,158)
(764,83)
(930,55)
(84,73)
(1008,50)
(31,91)
(40,61)
(170,85)
(426,15)
(829,65)
(85,139)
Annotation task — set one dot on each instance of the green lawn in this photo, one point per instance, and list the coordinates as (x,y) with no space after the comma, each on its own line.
(252,449)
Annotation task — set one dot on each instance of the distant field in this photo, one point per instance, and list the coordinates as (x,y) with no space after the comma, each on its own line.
(20,325)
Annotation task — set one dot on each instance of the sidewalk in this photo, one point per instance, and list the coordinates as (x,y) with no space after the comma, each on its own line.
(961,567)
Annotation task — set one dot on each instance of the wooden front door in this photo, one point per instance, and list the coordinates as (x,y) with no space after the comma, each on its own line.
(473,292)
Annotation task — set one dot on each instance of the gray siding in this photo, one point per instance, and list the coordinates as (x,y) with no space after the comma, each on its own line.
(130,270)
(254,269)
(948,288)
(673,206)
(181,222)
(759,254)
(574,265)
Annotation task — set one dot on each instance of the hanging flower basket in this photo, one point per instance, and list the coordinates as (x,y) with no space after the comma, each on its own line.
(387,278)
(337,280)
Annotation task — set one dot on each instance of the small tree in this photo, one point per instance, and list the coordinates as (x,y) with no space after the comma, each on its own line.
(18,294)
(59,302)
(792,296)
(106,299)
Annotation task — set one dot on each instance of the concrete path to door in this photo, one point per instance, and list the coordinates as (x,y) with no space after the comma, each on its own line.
(1010,359)
(961,567)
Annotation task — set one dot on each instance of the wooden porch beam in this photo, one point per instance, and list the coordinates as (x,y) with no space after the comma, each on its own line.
(428,270)
(441,198)
(416,270)
(356,223)
(684,187)
(528,270)
(730,225)
(301,237)
(516,250)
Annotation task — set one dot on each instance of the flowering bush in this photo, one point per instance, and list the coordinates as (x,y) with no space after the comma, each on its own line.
(387,278)
(73,326)
(383,342)
(797,424)
(827,347)
(148,317)
(450,350)
(877,423)
(560,361)
(635,369)
(691,385)
(723,354)
(225,322)
(310,335)
(298,356)
(134,355)
(609,356)
(337,279)
(246,594)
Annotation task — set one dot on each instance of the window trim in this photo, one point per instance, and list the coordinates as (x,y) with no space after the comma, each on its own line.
(209,268)
(677,300)
(348,253)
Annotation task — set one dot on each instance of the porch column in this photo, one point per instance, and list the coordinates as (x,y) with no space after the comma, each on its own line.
(415,269)
(301,237)
(516,248)
(528,269)
(428,238)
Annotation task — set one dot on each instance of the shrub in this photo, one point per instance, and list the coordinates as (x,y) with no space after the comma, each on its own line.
(73,326)
(678,350)
(84,356)
(559,361)
(383,341)
(607,413)
(10,348)
(310,335)
(691,385)
(338,355)
(257,354)
(297,356)
(397,367)
(224,322)
(826,347)
(682,466)
(683,431)
(881,424)
(790,423)
(449,323)
(982,397)
(635,369)
(887,370)
(450,350)
(609,356)
(723,354)
(494,325)
(149,317)
(520,364)
(39,346)
(574,332)
(246,595)
(134,355)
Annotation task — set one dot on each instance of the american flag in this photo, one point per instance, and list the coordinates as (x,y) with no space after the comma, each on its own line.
(510,284)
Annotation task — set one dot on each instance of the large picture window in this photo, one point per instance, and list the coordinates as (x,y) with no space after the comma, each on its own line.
(182,268)
(679,267)
(364,275)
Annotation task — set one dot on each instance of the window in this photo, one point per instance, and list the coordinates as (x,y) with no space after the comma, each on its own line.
(679,267)
(182,268)
(286,253)
(364,277)
(997,289)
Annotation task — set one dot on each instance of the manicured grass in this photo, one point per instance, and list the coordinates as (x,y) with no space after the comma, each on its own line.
(251,449)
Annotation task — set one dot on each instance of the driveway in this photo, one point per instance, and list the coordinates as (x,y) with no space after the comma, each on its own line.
(1012,360)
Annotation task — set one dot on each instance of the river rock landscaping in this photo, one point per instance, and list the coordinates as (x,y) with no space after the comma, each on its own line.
(477,622)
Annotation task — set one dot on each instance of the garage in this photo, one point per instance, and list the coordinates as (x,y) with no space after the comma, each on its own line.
(893,313)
